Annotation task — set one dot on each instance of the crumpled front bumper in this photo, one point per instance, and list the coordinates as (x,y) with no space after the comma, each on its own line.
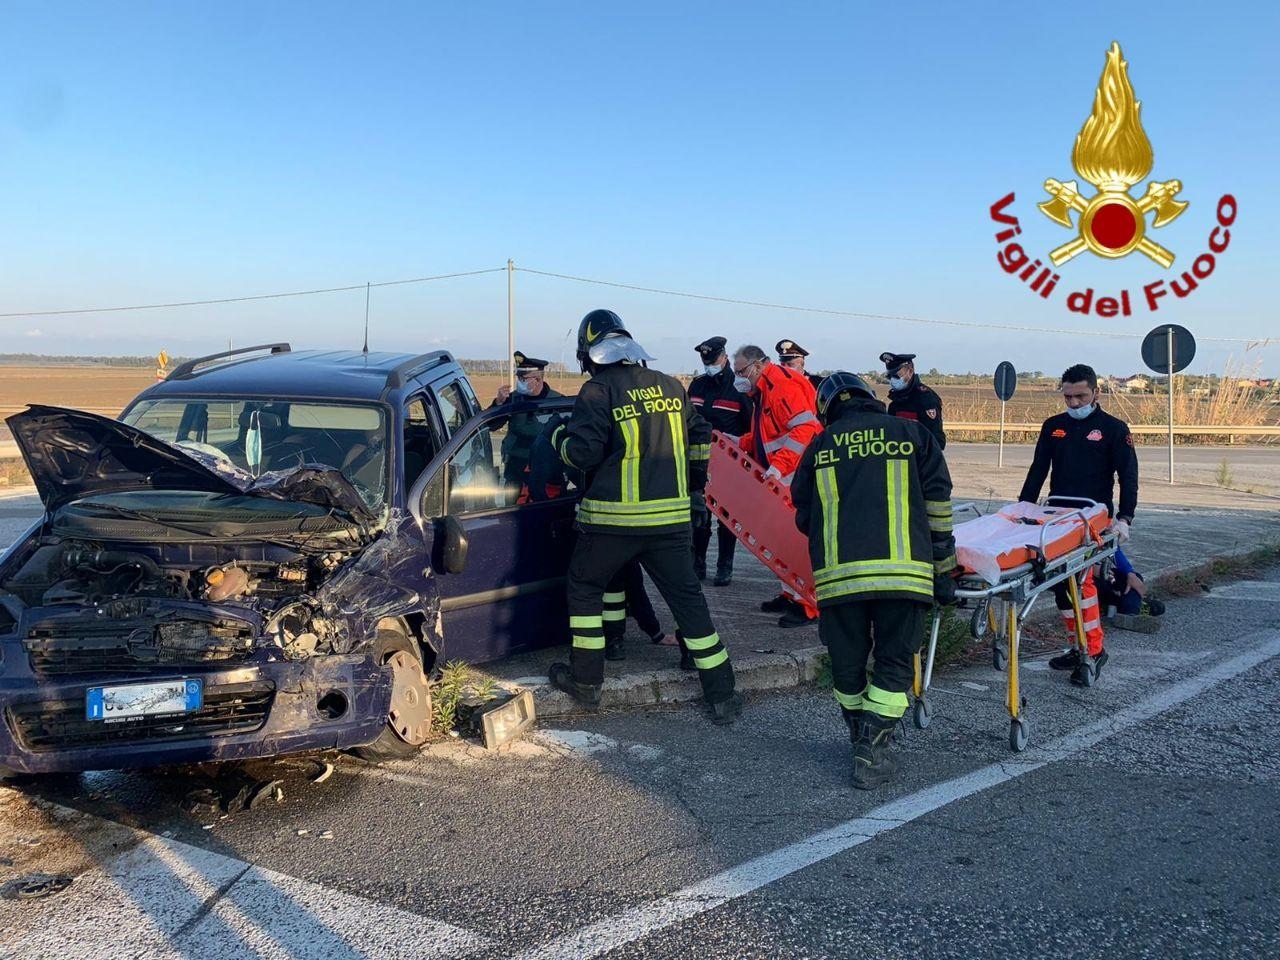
(41,719)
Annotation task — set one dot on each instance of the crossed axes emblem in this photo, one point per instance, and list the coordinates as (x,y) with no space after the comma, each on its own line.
(1065,197)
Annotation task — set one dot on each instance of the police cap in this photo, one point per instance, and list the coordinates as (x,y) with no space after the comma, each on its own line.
(711,348)
(527,364)
(789,350)
(892,361)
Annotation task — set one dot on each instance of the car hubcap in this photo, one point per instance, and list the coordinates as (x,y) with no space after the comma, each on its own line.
(410,715)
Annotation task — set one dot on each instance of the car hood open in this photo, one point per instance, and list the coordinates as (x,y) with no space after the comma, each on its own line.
(73,454)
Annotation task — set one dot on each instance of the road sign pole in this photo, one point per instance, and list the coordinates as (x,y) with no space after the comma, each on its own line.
(511,324)
(1169,342)
(1001,463)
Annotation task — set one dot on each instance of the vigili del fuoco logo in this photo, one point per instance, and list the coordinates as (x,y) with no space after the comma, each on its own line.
(1113,154)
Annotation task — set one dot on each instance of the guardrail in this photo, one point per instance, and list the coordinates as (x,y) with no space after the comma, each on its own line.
(1158,429)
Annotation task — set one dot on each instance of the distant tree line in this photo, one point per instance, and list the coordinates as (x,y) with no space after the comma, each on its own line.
(55,360)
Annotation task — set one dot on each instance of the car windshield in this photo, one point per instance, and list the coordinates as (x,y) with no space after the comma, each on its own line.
(259,436)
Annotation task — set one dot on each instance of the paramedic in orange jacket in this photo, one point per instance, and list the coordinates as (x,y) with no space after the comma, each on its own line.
(783,422)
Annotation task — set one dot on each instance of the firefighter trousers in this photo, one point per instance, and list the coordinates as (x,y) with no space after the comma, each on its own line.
(668,559)
(1090,611)
(626,596)
(893,630)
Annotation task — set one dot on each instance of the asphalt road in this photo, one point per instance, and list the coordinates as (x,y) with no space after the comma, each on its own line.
(1144,820)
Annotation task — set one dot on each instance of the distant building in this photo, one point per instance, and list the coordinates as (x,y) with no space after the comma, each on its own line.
(1134,384)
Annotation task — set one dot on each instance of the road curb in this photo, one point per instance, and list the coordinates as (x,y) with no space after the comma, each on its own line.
(783,671)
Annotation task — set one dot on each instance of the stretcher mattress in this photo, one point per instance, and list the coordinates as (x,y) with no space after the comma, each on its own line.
(1010,537)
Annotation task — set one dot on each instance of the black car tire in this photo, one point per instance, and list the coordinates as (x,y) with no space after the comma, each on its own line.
(391,744)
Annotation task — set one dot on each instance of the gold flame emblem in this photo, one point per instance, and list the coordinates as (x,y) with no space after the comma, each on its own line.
(1112,152)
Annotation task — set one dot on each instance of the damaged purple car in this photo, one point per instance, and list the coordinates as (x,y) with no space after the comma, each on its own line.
(269,552)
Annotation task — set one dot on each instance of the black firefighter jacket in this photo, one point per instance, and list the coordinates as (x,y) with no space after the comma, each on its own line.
(1086,457)
(643,448)
(873,495)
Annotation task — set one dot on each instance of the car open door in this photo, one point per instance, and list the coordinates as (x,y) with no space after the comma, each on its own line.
(510,594)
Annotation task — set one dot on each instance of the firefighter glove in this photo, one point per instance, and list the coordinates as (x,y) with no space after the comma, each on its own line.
(944,590)
(699,513)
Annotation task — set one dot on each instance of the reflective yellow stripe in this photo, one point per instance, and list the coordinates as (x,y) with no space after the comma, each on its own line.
(612,616)
(829,495)
(886,703)
(631,461)
(944,566)
(605,520)
(699,451)
(709,663)
(679,448)
(584,622)
(588,643)
(702,643)
(636,509)
(899,509)
(868,568)
(620,597)
(850,588)
(850,701)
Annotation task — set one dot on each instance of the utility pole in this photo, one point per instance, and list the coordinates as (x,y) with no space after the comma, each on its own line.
(511,323)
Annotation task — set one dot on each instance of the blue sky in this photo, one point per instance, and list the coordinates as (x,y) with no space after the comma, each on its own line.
(836,155)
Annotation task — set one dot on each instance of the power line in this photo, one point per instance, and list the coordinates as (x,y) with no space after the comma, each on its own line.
(971,324)
(260,296)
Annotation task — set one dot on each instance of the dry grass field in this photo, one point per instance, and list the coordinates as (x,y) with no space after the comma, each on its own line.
(108,389)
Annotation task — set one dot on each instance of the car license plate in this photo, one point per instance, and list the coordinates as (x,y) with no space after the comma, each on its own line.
(143,700)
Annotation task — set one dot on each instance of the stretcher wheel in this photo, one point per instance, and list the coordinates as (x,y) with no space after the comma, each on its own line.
(1018,734)
(999,656)
(978,622)
(922,714)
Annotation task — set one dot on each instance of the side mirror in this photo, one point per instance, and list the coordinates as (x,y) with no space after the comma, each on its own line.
(455,545)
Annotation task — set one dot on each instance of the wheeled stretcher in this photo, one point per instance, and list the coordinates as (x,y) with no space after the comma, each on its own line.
(1010,559)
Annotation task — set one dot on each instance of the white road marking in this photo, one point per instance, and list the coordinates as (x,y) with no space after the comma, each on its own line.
(1263,590)
(649,918)
(168,899)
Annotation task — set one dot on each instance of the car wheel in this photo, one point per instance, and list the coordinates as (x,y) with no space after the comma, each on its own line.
(409,717)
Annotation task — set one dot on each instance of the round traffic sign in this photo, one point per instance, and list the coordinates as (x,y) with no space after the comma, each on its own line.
(1156,348)
(1006,380)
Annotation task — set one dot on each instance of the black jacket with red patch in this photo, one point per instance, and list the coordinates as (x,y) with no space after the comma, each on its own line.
(917,402)
(1085,457)
(720,403)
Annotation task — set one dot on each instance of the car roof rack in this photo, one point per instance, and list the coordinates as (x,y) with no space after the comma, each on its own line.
(188,370)
(411,368)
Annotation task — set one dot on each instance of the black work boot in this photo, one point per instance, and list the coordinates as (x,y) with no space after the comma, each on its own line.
(1079,677)
(724,572)
(1066,661)
(874,761)
(852,719)
(614,649)
(725,546)
(585,695)
(726,711)
(778,604)
(796,617)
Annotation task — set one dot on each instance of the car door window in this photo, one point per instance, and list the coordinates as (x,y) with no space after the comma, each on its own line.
(419,439)
(454,409)
(490,470)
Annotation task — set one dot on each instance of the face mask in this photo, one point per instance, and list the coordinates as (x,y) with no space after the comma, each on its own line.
(714,370)
(1079,413)
(897,383)
(742,384)
(524,388)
